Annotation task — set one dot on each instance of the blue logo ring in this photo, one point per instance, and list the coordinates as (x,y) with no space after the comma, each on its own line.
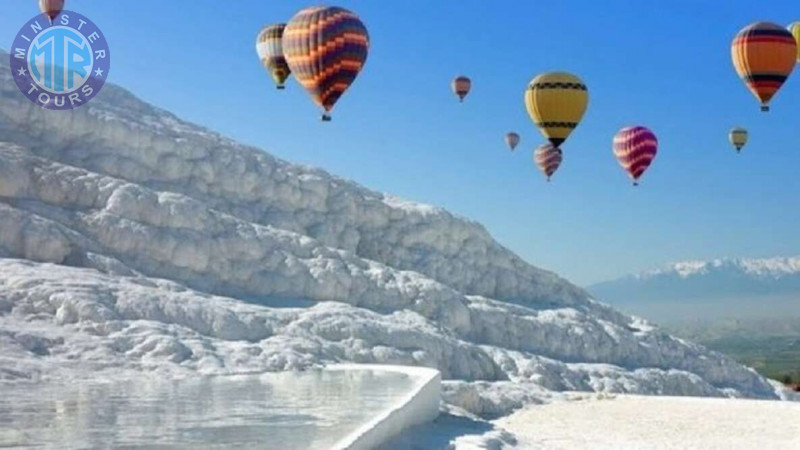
(62,65)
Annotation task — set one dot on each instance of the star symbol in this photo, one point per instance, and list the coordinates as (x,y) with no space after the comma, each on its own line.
(22,72)
(98,72)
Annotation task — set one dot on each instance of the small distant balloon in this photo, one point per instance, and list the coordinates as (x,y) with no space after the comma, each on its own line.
(547,158)
(512,140)
(51,8)
(764,55)
(635,148)
(270,52)
(556,102)
(461,86)
(738,137)
(795,30)
(326,47)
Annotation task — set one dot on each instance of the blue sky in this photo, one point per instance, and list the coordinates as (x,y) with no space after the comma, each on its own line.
(665,65)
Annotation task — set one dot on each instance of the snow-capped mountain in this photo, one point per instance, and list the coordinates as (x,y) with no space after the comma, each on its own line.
(132,242)
(765,269)
(704,281)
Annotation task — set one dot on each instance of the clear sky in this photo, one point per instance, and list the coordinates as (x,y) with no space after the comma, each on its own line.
(665,65)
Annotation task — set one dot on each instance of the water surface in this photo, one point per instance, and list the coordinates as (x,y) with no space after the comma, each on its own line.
(306,410)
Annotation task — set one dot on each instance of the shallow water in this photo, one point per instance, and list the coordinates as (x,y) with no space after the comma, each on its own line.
(307,410)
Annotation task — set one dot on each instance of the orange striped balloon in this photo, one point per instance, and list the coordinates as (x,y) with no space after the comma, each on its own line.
(326,48)
(461,86)
(547,158)
(764,55)
(51,8)
(635,148)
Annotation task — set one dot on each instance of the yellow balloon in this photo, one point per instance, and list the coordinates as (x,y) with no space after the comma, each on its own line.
(795,30)
(556,102)
(738,137)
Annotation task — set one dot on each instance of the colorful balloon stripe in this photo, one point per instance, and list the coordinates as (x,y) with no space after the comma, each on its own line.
(557,124)
(578,86)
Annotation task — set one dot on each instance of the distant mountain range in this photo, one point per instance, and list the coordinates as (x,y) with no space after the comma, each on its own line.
(734,282)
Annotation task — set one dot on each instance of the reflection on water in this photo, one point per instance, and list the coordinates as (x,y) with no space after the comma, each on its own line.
(277,411)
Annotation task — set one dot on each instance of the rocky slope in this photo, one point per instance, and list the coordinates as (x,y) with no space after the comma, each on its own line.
(131,241)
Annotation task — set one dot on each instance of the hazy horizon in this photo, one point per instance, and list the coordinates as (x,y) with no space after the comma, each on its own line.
(690,309)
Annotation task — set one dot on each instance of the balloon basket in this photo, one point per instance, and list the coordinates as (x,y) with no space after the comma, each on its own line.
(764,108)
(326,118)
(280,87)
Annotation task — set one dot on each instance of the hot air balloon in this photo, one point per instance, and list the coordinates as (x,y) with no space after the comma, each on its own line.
(795,30)
(764,55)
(461,86)
(556,102)
(547,158)
(270,52)
(326,48)
(738,137)
(512,139)
(635,148)
(51,8)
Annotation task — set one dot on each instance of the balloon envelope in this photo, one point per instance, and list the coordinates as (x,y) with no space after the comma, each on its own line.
(461,86)
(326,47)
(795,30)
(51,8)
(764,55)
(270,52)
(556,102)
(547,158)
(738,137)
(635,148)
(512,140)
